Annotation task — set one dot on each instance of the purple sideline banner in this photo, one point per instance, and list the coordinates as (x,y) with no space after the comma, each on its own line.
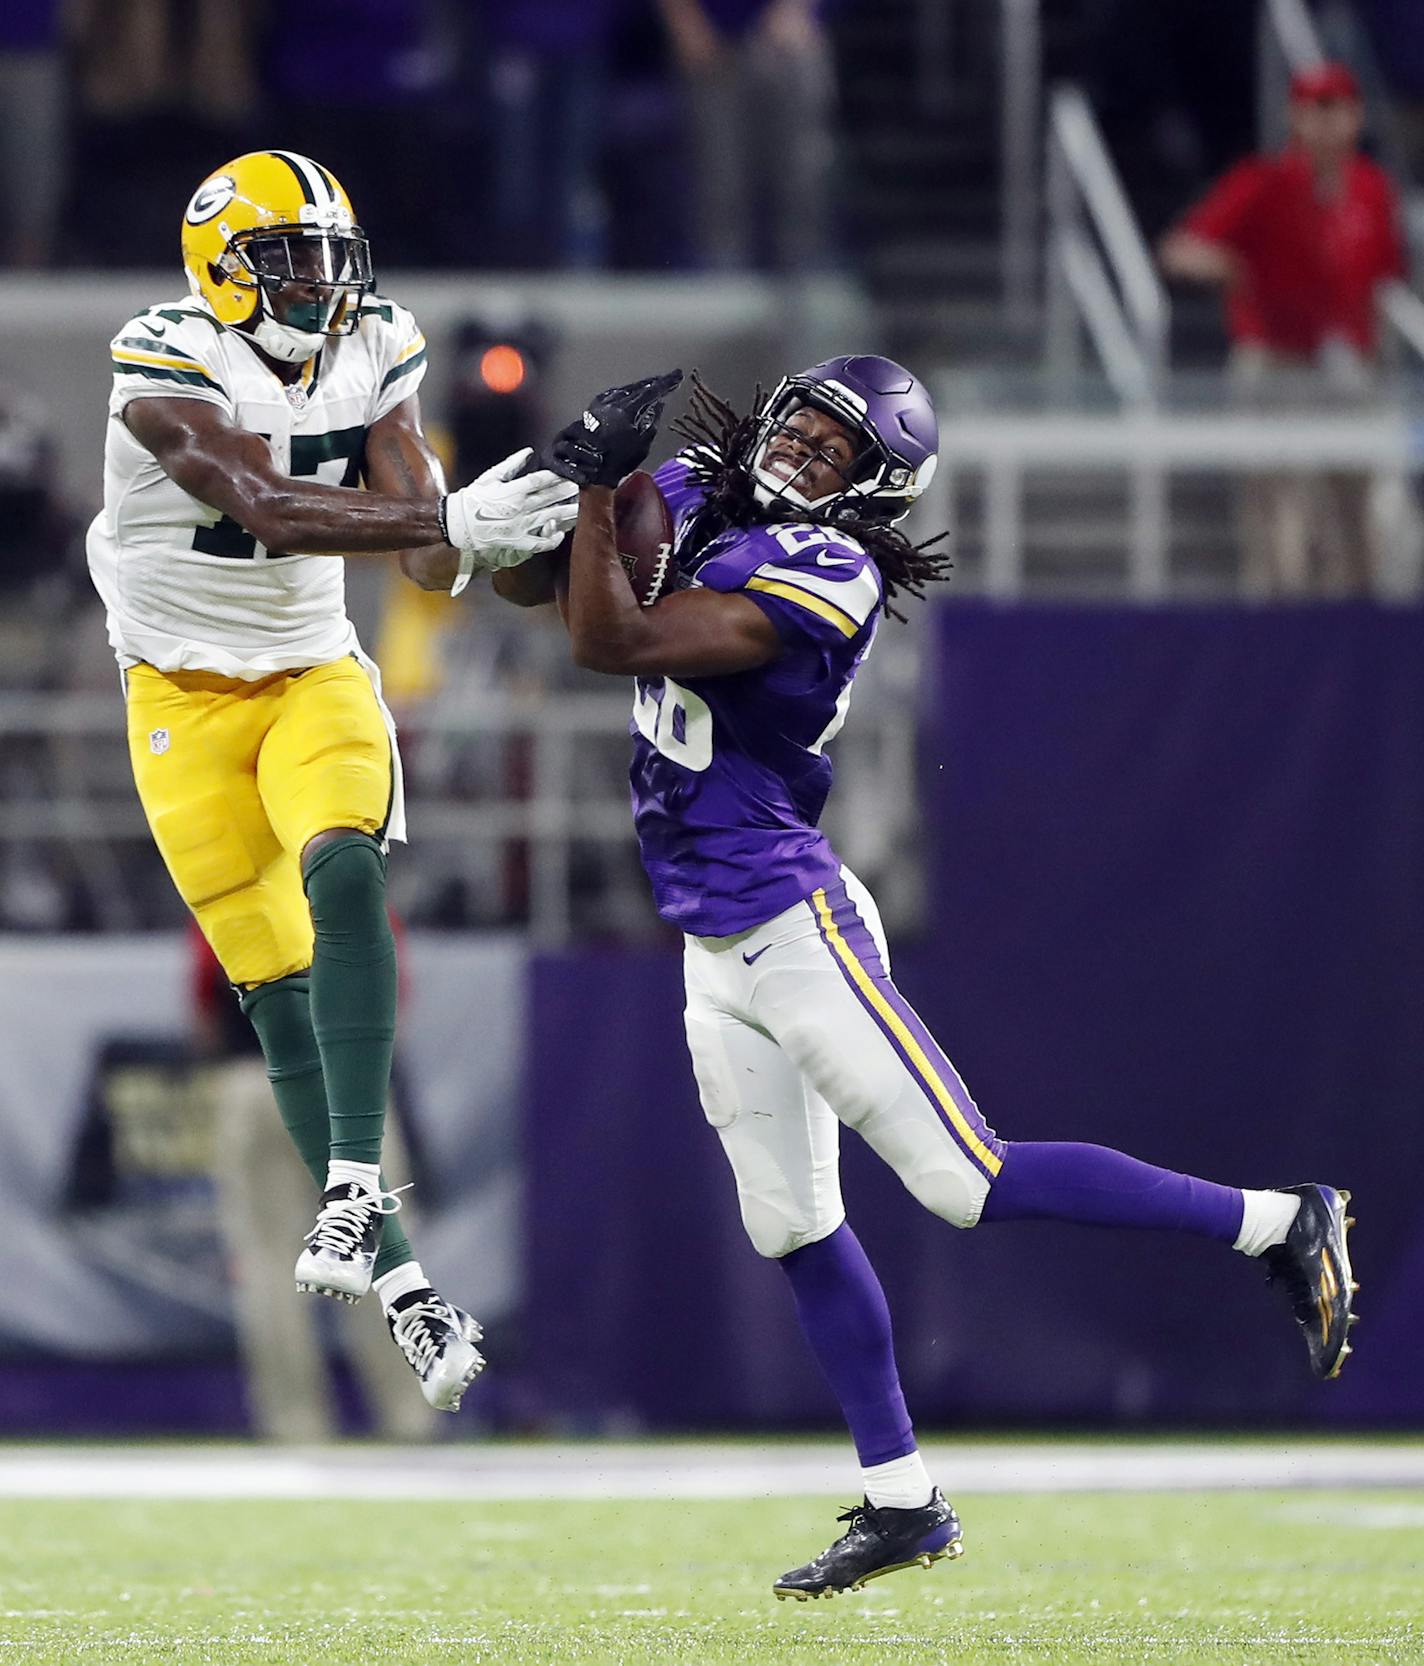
(1177,906)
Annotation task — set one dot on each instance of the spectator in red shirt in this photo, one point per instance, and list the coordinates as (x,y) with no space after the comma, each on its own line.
(1301,243)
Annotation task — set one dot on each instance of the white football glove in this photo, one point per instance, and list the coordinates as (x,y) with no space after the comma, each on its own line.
(503,517)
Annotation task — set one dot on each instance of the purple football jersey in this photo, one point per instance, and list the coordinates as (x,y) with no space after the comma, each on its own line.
(729,774)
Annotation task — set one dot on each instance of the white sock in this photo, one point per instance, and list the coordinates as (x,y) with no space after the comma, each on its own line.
(903,1483)
(1265,1220)
(365,1175)
(400,1281)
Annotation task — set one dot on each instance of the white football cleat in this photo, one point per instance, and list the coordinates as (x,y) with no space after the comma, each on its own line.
(438,1339)
(340,1252)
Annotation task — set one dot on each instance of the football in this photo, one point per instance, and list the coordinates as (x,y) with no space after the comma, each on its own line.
(644,532)
(643,529)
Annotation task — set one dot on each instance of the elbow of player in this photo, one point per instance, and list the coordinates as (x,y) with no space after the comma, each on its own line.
(599,654)
(590,656)
(273,521)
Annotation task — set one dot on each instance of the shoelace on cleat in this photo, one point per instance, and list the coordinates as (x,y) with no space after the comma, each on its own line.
(341,1225)
(422,1330)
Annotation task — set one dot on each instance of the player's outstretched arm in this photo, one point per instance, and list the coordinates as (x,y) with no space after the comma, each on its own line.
(691,633)
(200,449)
(496,521)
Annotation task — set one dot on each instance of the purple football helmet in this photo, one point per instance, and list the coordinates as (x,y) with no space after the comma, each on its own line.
(891,416)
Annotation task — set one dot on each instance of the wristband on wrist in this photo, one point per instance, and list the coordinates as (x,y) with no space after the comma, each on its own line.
(467,553)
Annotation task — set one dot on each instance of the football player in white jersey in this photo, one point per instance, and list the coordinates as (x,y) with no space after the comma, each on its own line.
(243,419)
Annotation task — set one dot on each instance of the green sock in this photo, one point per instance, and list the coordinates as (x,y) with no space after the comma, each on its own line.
(353,990)
(280,1012)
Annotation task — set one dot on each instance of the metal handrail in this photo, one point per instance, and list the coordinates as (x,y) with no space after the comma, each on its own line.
(59,790)
(1123,304)
(1124,363)
(1404,310)
(458,712)
(1084,182)
(1020,150)
(1010,449)
(1296,33)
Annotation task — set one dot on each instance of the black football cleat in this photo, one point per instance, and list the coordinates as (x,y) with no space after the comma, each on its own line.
(879,1540)
(1314,1266)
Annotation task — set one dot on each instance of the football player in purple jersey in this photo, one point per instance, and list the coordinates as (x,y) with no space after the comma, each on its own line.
(787,553)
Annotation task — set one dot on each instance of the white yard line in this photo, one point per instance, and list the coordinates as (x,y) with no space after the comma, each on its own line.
(683,1469)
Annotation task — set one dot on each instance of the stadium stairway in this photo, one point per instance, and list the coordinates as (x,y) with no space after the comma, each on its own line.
(920,122)
(921,206)
(920,197)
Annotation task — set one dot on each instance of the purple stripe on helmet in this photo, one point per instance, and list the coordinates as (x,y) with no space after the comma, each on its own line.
(854,932)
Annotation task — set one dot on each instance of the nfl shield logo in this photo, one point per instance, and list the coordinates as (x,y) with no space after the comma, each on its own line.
(158,742)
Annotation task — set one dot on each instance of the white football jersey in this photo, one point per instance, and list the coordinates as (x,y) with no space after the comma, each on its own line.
(186,588)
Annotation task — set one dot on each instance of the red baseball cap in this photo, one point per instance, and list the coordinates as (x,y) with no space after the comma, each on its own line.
(1322,83)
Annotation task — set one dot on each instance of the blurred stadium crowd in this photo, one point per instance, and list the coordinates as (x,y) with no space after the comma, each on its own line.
(564,129)
(598,134)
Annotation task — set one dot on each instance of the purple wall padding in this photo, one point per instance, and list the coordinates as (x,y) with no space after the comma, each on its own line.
(1177,906)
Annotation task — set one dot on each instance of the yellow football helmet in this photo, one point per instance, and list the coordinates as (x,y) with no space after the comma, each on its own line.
(268,220)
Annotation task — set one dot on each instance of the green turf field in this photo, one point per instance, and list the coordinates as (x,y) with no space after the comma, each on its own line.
(1247,1578)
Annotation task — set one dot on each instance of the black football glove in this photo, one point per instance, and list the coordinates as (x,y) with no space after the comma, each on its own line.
(614,435)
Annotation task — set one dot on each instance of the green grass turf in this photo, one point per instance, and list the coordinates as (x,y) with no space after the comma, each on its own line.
(1253,1579)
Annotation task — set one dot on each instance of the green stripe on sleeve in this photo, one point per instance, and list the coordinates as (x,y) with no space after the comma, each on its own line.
(156,345)
(404,369)
(159,373)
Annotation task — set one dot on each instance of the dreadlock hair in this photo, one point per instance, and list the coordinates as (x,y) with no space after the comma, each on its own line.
(719,438)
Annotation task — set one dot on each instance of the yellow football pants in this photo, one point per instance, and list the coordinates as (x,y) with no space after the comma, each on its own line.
(236,777)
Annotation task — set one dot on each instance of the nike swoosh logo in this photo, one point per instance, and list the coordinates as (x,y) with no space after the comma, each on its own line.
(153,330)
(824,560)
(493,513)
(749,958)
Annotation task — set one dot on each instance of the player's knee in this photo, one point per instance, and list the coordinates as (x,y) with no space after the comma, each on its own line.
(771,1234)
(952,1190)
(345,880)
(776,1230)
(778,1215)
(351,855)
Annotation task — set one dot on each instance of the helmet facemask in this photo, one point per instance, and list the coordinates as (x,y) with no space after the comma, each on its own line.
(872,482)
(327,272)
(768,462)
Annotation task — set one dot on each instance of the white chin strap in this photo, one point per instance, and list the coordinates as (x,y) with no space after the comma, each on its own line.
(281,341)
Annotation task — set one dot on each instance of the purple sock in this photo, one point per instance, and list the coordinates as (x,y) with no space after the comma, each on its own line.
(1054,1181)
(845,1318)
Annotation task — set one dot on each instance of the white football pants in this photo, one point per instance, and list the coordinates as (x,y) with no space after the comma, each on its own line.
(795,1027)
